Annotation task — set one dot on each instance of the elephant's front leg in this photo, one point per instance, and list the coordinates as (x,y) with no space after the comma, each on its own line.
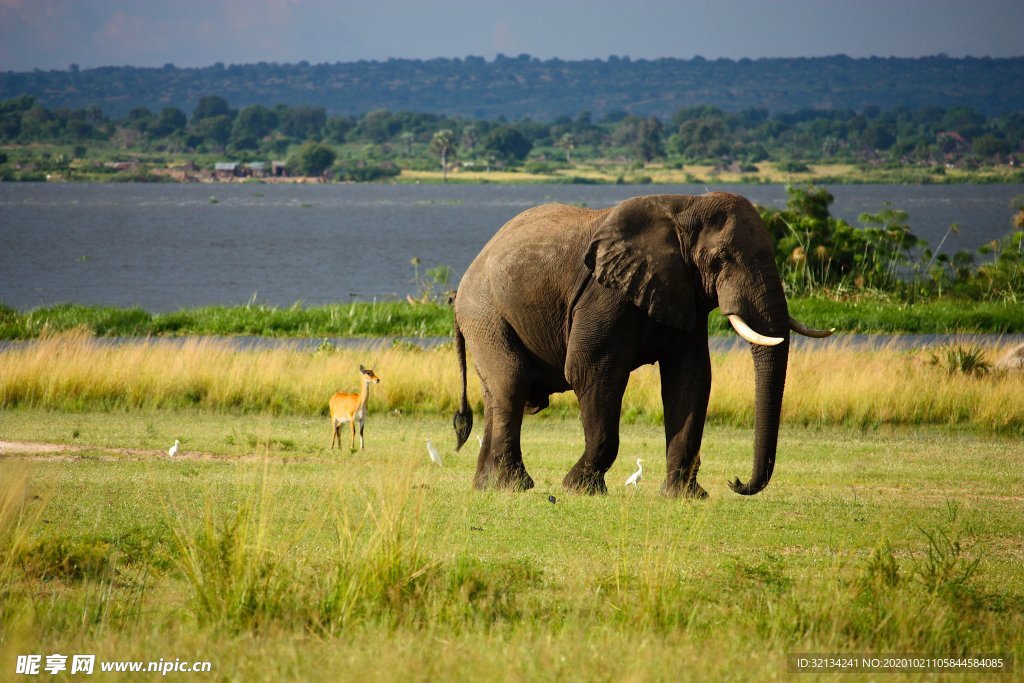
(600,407)
(685,388)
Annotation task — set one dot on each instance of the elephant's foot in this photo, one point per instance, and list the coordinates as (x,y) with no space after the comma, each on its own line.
(690,489)
(584,480)
(513,478)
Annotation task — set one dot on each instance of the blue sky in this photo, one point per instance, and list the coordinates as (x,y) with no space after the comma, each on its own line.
(52,34)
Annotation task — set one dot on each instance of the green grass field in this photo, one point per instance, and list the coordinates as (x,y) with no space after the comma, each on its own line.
(893,523)
(263,552)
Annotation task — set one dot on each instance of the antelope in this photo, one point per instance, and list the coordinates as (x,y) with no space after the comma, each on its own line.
(351,408)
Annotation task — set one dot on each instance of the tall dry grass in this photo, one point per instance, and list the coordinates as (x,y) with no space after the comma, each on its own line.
(19,515)
(74,371)
(373,569)
(850,386)
(832,385)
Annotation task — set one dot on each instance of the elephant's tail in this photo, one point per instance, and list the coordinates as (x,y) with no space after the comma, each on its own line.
(462,421)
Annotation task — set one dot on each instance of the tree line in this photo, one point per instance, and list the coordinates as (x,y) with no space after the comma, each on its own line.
(314,141)
(524,86)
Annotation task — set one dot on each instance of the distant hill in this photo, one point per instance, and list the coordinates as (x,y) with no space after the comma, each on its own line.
(517,87)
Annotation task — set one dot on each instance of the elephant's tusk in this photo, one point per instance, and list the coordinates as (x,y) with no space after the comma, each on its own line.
(743,329)
(800,328)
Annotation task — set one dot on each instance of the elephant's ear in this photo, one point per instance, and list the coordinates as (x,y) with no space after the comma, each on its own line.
(637,250)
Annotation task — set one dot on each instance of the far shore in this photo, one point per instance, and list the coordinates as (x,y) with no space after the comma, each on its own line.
(598,173)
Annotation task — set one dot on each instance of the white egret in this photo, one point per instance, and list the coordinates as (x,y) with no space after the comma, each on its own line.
(635,478)
(435,457)
(173,450)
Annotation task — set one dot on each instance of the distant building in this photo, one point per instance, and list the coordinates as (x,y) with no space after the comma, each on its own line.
(279,169)
(226,169)
(255,169)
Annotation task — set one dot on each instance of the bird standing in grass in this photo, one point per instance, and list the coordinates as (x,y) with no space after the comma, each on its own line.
(435,457)
(635,478)
(173,450)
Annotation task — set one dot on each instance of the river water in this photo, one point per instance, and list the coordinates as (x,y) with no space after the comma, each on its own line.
(165,247)
(716,343)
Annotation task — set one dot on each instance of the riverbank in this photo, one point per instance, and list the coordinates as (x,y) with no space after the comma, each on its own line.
(862,314)
(59,163)
(596,173)
(610,173)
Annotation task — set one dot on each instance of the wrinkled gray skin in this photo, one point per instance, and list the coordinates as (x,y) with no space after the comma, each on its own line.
(569,298)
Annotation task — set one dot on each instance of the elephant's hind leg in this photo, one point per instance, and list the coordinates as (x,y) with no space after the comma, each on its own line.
(500,463)
(483,457)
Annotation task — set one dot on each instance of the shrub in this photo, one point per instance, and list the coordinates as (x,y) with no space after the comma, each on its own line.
(963,360)
(543,167)
(790,166)
(368,173)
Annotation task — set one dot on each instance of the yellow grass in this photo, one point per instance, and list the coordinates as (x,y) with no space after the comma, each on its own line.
(767,172)
(657,173)
(474,176)
(827,384)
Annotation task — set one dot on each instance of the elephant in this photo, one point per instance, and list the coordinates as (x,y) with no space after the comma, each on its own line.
(568,298)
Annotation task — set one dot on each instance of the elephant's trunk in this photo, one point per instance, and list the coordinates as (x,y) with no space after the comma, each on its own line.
(769,382)
(770,363)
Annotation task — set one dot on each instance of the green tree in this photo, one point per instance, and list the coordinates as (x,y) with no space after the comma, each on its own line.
(11,112)
(989,145)
(704,112)
(965,121)
(568,143)
(38,124)
(303,123)
(878,136)
(700,138)
(407,140)
(642,136)
(211,106)
(648,143)
(470,136)
(443,144)
(507,143)
(141,119)
(377,126)
(171,120)
(1003,277)
(313,159)
(255,121)
(337,128)
(212,129)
